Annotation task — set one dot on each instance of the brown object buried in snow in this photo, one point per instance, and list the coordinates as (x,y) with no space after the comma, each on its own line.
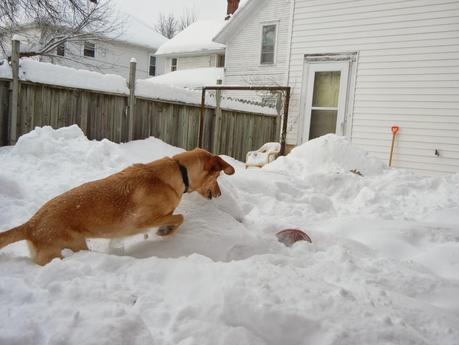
(290,236)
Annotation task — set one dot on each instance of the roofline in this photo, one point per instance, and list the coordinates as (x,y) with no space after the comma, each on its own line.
(193,53)
(235,21)
(33,25)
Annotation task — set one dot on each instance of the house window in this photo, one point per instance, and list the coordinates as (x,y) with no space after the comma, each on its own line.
(268,44)
(60,50)
(152,68)
(89,49)
(221,61)
(173,64)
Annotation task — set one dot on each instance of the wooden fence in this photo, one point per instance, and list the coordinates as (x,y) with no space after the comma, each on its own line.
(105,115)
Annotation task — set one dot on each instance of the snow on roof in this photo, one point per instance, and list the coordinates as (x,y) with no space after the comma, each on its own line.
(195,77)
(245,7)
(137,32)
(197,38)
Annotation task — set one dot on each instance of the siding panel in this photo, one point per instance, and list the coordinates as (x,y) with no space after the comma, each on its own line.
(407,73)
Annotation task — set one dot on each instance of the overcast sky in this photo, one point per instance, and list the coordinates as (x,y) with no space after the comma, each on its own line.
(147,10)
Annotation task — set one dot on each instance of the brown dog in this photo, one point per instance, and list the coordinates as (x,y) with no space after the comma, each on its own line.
(126,203)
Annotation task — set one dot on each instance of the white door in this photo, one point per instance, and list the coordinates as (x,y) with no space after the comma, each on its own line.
(326,99)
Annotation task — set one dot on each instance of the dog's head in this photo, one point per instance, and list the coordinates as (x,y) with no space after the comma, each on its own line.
(203,170)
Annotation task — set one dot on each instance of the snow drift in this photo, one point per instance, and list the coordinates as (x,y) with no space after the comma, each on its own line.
(382,268)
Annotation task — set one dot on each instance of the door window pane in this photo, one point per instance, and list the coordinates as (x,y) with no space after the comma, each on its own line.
(322,122)
(326,89)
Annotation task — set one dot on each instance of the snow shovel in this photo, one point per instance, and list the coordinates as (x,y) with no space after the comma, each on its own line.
(394,134)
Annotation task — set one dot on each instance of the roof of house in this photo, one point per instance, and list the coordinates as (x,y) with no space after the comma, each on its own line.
(243,12)
(131,31)
(195,39)
(134,31)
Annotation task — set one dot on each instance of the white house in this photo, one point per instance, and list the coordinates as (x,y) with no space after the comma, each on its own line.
(194,48)
(110,55)
(356,68)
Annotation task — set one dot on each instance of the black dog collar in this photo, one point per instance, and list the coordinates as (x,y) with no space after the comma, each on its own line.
(184,173)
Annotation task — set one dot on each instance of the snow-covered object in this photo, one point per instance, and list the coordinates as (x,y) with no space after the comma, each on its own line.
(135,31)
(166,89)
(48,73)
(382,268)
(264,155)
(329,152)
(190,78)
(197,38)
(145,88)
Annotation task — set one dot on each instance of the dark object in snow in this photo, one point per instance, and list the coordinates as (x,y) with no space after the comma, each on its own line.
(355,171)
(290,236)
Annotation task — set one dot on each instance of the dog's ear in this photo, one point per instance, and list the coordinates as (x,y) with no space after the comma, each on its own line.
(218,164)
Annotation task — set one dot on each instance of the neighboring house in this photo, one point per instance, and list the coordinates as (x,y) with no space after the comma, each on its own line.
(356,68)
(194,48)
(109,55)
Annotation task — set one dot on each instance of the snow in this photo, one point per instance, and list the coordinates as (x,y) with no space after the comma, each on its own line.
(152,89)
(382,267)
(47,73)
(137,32)
(197,38)
(172,87)
(191,78)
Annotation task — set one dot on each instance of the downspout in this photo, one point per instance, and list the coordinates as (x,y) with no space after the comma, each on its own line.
(287,77)
(289,48)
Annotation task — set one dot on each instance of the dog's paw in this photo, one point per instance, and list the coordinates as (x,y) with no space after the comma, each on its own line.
(165,230)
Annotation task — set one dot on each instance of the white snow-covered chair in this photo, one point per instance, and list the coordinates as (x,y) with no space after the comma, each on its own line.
(264,155)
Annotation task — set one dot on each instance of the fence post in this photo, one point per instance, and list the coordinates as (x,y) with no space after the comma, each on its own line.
(13,122)
(218,120)
(131,99)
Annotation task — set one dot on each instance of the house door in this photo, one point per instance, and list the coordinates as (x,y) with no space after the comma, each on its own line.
(326,99)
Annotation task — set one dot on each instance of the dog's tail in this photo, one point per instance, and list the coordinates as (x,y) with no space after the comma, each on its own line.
(13,235)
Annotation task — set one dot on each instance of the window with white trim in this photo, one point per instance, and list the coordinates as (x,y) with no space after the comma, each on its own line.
(60,49)
(89,49)
(152,67)
(173,64)
(268,44)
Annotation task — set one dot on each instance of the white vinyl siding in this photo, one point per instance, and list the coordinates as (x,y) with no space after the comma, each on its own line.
(243,49)
(407,74)
(200,61)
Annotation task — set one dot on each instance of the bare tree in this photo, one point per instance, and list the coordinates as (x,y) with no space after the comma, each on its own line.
(170,25)
(188,17)
(58,21)
(167,25)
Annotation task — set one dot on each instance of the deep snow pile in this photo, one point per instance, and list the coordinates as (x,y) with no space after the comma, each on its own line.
(382,268)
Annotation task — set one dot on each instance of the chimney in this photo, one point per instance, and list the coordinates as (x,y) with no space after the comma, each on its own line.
(232,7)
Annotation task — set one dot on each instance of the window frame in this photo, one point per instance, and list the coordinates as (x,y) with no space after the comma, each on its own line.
(150,66)
(174,66)
(61,46)
(86,49)
(262,25)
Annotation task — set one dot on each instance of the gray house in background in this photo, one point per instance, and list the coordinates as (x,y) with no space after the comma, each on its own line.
(109,55)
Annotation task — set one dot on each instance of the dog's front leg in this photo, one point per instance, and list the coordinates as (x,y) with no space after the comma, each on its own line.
(168,225)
